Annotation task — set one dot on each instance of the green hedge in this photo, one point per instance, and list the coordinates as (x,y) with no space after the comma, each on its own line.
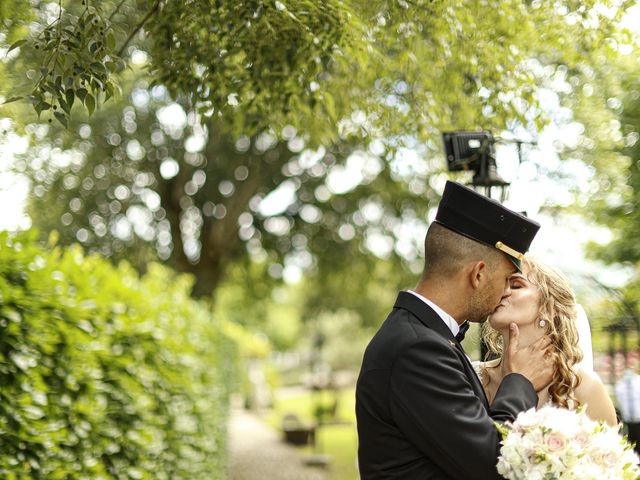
(105,374)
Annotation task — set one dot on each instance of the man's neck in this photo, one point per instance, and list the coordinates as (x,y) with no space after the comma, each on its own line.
(444,295)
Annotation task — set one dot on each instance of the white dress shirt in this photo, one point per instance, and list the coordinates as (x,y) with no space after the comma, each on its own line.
(446,318)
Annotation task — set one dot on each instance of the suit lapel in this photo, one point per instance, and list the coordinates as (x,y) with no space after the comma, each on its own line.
(424,313)
(471,373)
(432,320)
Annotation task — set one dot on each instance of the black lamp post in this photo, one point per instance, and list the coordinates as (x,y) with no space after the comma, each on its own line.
(317,459)
(474,151)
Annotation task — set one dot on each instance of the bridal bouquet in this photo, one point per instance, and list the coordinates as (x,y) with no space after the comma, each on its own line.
(556,443)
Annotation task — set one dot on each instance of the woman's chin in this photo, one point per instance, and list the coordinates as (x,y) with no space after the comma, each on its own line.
(498,323)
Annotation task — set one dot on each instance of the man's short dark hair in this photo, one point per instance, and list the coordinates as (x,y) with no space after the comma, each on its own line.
(446,252)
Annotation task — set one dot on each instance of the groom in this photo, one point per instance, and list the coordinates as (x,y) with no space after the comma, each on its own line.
(421,410)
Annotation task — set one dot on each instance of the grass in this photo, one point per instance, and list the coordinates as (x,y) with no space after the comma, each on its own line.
(337,440)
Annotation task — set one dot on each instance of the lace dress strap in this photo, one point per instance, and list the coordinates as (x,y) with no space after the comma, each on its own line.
(478,366)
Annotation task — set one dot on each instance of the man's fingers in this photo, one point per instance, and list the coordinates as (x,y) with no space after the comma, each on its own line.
(514,337)
(541,344)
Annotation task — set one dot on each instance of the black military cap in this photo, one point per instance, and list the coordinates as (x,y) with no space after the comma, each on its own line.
(484,220)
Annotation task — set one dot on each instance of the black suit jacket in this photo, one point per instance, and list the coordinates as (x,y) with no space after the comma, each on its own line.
(421,410)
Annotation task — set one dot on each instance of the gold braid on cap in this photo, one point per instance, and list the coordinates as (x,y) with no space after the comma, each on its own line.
(509,251)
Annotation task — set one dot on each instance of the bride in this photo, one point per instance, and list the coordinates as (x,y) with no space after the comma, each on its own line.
(542,303)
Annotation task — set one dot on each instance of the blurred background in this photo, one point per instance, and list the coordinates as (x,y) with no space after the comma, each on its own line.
(208,208)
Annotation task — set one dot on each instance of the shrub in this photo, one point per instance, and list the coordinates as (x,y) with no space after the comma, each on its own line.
(104,373)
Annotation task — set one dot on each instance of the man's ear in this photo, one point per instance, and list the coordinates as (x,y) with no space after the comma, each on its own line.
(477,274)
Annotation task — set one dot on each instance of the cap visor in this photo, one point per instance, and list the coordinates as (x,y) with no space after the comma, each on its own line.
(516,262)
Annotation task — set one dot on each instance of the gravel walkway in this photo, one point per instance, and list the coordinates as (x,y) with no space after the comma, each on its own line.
(257,452)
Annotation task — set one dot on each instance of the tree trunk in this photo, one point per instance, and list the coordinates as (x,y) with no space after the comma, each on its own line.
(208,274)
(218,236)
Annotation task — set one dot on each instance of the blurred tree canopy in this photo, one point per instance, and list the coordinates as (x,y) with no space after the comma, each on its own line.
(299,135)
(606,125)
(607,118)
(409,65)
(615,157)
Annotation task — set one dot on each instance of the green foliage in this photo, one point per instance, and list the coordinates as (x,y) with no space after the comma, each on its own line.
(78,61)
(409,66)
(13,16)
(366,287)
(214,53)
(261,57)
(275,310)
(106,374)
(619,199)
(249,345)
(610,145)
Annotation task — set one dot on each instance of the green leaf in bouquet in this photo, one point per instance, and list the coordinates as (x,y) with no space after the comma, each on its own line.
(504,431)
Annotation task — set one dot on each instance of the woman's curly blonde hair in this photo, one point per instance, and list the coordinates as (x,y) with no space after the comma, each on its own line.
(558,309)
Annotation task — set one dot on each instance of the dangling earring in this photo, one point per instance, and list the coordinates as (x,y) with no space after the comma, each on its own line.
(542,322)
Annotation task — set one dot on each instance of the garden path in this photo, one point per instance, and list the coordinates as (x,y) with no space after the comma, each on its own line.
(257,452)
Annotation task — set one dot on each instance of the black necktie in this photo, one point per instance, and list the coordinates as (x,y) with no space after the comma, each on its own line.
(463,329)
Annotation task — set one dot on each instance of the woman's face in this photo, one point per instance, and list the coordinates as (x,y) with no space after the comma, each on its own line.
(520,307)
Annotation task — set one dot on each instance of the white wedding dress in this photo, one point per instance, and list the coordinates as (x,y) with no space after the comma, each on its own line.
(584,339)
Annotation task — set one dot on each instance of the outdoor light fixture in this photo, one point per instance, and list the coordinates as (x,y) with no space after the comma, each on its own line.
(473,151)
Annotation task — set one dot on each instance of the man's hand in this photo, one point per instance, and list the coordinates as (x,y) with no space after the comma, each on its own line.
(532,362)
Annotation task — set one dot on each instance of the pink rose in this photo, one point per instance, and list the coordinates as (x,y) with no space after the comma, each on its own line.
(605,458)
(555,442)
(610,459)
(582,439)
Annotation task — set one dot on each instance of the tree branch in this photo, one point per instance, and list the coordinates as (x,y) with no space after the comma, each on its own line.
(114,13)
(133,33)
